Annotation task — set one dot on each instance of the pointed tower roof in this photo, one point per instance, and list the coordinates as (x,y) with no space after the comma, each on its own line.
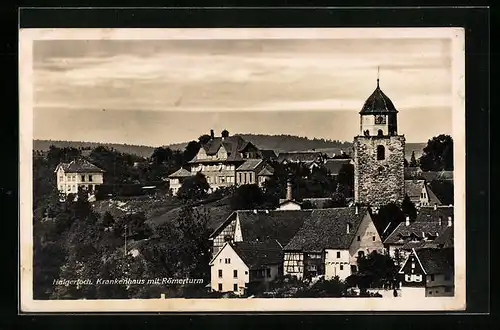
(378,103)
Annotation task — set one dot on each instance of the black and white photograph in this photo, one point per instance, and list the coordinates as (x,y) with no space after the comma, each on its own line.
(250,169)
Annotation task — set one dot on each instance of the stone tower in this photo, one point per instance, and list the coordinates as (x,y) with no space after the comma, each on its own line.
(379,153)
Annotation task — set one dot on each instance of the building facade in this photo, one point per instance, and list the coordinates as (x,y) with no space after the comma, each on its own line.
(177,178)
(78,174)
(219,158)
(379,153)
(330,242)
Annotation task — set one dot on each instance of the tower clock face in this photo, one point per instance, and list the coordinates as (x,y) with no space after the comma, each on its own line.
(379,120)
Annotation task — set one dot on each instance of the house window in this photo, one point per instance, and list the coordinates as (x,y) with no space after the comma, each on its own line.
(432,278)
(220,286)
(246,272)
(338,254)
(380,153)
(268,272)
(413,265)
(239,177)
(60,178)
(380,132)
(447,289)
(245,176)
(90,178)
(359,238)
(83,178)
(354,269)
(447,277)
(235,273)
(221,179)
(227,260)
(373,238)
(235,287)
(430,292)
(341,267)
(220,273)
(361,253)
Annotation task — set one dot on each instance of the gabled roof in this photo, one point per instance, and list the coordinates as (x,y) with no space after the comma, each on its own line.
(436,261)
(436,175)
(233,145)
(249,165)
(258,254)
(262,225)
(334,165)
(413,188)
(433,199)
(180,173)
(79,166)
(445,240)
(267,154)
(412,173)
(299,156)
(268,170)
(327,229)
(416,229)
(378,103)
(429,214)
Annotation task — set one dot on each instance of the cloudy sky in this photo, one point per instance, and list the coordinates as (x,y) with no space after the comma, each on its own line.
(156,92)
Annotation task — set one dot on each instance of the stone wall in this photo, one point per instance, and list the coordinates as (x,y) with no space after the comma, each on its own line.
(378,182)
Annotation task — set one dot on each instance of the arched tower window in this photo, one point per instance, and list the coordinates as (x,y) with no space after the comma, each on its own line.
(380,132)
(380,153)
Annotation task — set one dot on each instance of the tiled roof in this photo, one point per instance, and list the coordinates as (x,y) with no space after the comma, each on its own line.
(80,166)
(446,239)
(268,170)
(433,199)
(258,254)
(180,173)
(428,214)
(403,233)
(436,175)
(334,165)
(299,156)
(279,225)
(317,202)
(436,261)
(378,103)
(267,154)
(249,165)
(327,229)
(413,188)
(232,144)
(412,173)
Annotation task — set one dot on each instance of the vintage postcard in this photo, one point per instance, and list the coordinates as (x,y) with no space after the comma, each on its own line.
(242,170)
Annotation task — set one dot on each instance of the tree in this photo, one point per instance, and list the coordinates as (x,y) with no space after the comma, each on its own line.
(191,150)
(247,197)
(375,270)
(203,139)
(323,288)
(194,188)
(345,178)
(405,162)
(438,154)
(408,208)
(413,161)
(134,226)
(388,217)
(338,200)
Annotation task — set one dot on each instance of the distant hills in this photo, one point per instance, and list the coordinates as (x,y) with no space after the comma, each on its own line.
(278,143)
(143,151)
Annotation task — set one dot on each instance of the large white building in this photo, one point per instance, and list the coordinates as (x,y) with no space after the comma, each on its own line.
(77,174)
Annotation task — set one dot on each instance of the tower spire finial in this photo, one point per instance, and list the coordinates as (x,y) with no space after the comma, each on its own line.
(378,75)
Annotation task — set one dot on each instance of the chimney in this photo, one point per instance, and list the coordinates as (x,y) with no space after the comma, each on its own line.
(289,196)
(407,220)
(449,222)
(212,134)
(435,206)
